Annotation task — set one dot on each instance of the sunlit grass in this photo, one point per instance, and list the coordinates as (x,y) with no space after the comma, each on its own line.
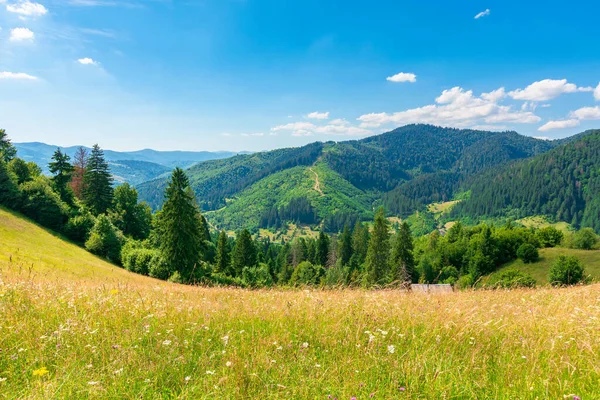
(109,334)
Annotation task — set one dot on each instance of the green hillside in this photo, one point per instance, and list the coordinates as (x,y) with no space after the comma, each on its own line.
(404,170)
(562,184)
(27,250)
(539,270)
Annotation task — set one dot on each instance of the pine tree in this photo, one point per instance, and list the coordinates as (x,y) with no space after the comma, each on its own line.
(360,242)
(245,252)
(345,247)
(7,150)
(403,261)
(79,167)
(62,171)
(97,190)
(377,261)
(322,249)
(223,262)
(180,228)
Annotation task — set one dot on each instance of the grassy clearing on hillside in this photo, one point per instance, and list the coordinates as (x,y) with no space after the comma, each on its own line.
(541,222)
(539,270)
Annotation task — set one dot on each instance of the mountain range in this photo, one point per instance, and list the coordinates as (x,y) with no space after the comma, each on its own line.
(133,167)
(335,183)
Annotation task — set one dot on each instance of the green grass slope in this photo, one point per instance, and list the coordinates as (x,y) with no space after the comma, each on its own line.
(539,270)
(28,250)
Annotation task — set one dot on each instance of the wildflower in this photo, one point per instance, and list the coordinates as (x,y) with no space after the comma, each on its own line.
(115,346)
(391,349)
(166,343)
(228,364)
(147,380)
(402,388)
(114,291)
(40,372)
(305,345)
(372,395)
(353,398)
(2,379)
(187,378)
(210,372)
(93,383)
(317,365)
(119,371)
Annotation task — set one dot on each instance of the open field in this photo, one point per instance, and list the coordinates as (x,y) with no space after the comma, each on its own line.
(539,270)
(77,327)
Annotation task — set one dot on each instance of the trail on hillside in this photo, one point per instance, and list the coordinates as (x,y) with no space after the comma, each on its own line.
(317,186)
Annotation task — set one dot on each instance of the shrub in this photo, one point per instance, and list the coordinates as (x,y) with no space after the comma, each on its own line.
(465,282)
(307,274)
(78,227)
(528,253)
(221,279)
(257,276)
(43,205)
(105,240)
(336,276)
(159,268)
(138,259)
(9,195)
(549,236)
(449,275)
(566,270)
(585,239)
(510,279)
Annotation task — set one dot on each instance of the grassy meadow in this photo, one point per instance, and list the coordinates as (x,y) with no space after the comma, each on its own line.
(73,326)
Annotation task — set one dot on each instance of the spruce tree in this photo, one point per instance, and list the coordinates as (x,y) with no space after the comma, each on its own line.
(97,190)
(7,150)
(345,247)
(180,228)
(377,261)
(245,252)
(62,170)
(360,242)
(322,249)
(223,262)
(403,261)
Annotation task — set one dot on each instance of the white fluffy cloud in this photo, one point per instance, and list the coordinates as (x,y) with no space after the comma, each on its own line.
(586,113)
(21,34)
(597,92)
(294,126)
(483,14)
(253,134)
(567,123)
(403,77)
(87,61)
(318,115)
(546,89)
(455,107)
(339,127)
(17,75)
(27,8)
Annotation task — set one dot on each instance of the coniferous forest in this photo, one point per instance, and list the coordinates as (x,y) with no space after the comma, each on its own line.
(177,242)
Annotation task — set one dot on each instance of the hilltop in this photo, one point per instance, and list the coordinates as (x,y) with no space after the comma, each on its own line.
(404,170)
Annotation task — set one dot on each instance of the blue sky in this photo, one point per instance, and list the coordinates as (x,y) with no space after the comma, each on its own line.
(262,74)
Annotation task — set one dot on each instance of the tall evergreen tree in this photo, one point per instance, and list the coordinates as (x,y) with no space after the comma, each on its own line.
(345,247)
(377,266)
(97,190)
(223,262)
(245,252)
(7,150)
(360,242)
(322,249)
(62,170)
(180,228)
(79,167)
(403,261)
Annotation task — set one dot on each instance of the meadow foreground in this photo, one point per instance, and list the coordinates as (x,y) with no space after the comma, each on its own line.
(91,338)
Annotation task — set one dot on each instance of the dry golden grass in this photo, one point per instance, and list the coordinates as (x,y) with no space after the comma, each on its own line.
(111,334)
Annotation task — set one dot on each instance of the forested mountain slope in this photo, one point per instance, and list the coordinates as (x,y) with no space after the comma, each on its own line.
(563,184)
(404,170)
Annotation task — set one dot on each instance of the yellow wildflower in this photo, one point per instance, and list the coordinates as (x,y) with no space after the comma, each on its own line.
(40,372)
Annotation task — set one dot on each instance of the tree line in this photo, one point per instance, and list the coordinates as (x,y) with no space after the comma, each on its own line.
(176,243)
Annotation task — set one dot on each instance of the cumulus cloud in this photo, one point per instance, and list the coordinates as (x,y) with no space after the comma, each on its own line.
(27,8)
(567,123)
(586,113)
(21,35)
(339,127)
(403,77)
(294,126)
(597,92)
(87,61)
(483,14)
(318,115)
(455,107)
(17,75)
(546,89)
